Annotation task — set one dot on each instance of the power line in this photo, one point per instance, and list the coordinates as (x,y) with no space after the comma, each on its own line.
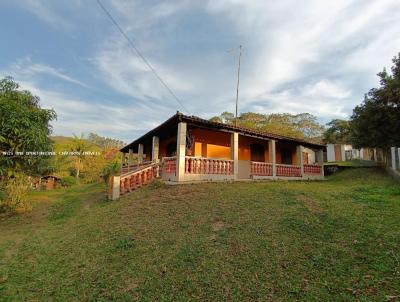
(136,50)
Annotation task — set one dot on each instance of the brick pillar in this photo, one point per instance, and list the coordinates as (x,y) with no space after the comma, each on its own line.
(235,153)
(393,150)
(299,154)
(181,151)
(154,149)
(272,155)
(140,153)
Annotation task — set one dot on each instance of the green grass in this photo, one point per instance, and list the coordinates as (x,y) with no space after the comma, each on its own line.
(355,163)
(334,240)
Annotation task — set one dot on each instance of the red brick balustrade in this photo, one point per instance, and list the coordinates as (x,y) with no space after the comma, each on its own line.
(133,180)
(169,164)
(288,170)
(312,169)
(203,165)
(260,168)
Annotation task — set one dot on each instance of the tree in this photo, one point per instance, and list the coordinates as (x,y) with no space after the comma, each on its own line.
(225,117)
(105,142)
(376,122)
(79,145)
(338,132)
(303,125)
(24,126)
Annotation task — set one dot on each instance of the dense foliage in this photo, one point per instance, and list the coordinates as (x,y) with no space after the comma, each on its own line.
(376,122)
(303,125)
(24,127)
(105,142)
(337,132)
(88,159)
(16,189)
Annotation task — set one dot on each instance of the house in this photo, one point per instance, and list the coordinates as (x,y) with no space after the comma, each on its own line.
(190,149)
(345,152)
(48,182)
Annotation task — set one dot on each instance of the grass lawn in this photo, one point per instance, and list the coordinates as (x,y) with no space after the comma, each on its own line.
(334,240)
(355,163)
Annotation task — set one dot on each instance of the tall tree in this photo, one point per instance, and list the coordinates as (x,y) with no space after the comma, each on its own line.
(24,126)
(338,132)
(303,125)
(79,145)
(105,142)
(376,122)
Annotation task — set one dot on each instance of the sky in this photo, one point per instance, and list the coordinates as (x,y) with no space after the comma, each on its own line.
(319,57)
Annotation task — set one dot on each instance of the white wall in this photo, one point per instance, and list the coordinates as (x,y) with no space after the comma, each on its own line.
(310,154)
(330,152)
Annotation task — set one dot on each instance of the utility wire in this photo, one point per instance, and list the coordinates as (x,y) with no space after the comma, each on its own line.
(136,50)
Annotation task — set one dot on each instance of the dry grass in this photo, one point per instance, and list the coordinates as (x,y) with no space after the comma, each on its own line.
(269,241)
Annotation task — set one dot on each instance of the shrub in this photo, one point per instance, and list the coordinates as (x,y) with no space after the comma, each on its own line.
(16,189)
(111,169)
(68,181)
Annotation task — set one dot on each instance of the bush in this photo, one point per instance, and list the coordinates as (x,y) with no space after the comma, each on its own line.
(111,169)
(16,189)
(68,181)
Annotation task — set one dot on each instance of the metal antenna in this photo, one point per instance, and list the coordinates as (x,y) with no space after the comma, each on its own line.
(237,86)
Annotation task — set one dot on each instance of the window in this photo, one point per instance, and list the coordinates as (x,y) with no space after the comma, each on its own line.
(286,157)
(171,149)
(257,153)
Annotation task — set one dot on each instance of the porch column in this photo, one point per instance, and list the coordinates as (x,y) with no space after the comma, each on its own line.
(342,153)
(300,162)
(272,155)
(393,149)
(130,157)
(122,158)
(181,152)
(154,149)
(320,160)
(140,153)
(362,153)
(375,158)
(235,154)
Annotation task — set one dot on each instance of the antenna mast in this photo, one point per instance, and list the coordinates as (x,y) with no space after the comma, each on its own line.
(237,86)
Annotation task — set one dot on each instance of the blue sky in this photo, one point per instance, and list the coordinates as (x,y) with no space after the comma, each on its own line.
(299,56)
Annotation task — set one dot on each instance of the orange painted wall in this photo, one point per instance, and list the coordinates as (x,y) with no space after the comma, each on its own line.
(211,143)
(292,148)
(163,146)
(244,147)
(216,144)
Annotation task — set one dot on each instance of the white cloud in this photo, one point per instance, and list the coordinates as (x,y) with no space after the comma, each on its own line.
(25,68)
(75,115)
(299,56)
(43,10)
(286,44)
(126,73)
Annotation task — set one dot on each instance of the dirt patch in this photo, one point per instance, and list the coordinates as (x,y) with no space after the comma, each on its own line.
(217,225)
(311,205)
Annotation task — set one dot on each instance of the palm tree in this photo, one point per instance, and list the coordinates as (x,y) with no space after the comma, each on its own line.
(79,145)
